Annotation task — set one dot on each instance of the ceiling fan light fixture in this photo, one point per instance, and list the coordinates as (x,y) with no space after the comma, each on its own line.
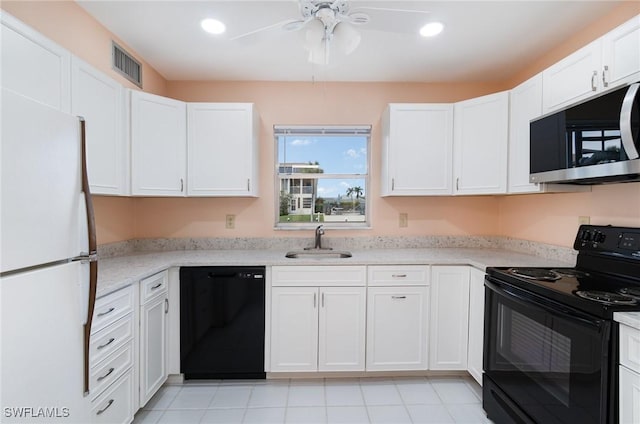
(213,26)
(431,29)
(345,38)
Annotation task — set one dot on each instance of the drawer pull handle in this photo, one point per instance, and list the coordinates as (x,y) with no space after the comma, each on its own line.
(111,340)
(399,275)
(107,374)
(106,407)
(156,286)
(101,314)
(398,297)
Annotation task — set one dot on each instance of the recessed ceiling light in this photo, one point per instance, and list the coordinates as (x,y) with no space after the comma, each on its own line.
(213,26)
(431,29)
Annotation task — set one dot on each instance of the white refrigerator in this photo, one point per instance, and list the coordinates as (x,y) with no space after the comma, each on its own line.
(48,267)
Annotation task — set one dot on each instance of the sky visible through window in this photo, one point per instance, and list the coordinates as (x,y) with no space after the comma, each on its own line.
(334,155)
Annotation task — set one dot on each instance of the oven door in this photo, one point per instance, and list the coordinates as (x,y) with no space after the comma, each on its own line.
(543,362)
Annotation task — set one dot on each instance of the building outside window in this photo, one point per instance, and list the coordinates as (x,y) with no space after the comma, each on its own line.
(322,176)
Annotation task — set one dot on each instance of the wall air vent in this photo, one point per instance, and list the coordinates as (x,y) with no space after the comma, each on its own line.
(126,65)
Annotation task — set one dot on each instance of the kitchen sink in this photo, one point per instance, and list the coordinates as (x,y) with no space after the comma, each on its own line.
(318,254)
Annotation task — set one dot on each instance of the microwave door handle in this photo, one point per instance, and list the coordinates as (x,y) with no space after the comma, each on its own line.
(628,143)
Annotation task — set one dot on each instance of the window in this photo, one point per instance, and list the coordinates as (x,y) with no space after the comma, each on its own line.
(322,176)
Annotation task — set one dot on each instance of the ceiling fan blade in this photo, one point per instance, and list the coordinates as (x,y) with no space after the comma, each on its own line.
(266,28)
(295,25)
(388,9)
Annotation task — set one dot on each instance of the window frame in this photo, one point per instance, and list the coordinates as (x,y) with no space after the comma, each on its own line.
(322,131)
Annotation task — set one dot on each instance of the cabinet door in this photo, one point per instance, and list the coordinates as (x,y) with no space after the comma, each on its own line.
(397,323)
(99,100)
(158,144)
(574,78)
(34,66)
(480,144)
(476,324)
(417,149)
(525,105)
(449,321)
(621,54)
(629,396)
(294,329)
(153,347)
(341,336)
(223,149)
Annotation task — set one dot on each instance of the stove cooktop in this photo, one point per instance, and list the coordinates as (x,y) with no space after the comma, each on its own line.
(591,292)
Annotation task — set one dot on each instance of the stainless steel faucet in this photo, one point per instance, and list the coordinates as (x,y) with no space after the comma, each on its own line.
(319,234)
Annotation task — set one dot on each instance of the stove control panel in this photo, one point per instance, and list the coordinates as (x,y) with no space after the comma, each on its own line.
(621,240)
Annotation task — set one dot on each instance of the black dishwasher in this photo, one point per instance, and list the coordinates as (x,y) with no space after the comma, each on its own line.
(222,322)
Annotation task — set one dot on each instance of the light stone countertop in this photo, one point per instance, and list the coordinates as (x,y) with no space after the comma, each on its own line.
(632,319)
(118,272)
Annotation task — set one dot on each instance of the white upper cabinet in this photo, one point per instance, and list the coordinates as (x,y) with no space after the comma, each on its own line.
(610,61)
(481,132)
(99,100)
(222,149)
(158,145)
(417,149)
(574,78)
(525,105)
(34,66)
(621,54)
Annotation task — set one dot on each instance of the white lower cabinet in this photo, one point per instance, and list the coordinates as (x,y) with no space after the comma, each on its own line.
(318,318)
(629,372)
(397,318)
(153,335)
(449,318)
(476,324)
(111,358)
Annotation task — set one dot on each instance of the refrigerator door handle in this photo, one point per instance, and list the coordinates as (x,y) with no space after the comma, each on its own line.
(92,255)
(85,258)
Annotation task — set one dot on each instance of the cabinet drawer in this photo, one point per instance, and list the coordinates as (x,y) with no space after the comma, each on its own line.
(108,340)
(115,405)
(153,286)
(105,373)
(318,276)
(110,308)
(630,347)
(413,275)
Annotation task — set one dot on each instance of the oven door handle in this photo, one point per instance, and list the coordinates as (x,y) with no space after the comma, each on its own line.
(525,298)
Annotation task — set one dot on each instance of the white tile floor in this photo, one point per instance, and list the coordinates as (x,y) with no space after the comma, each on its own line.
(366,400)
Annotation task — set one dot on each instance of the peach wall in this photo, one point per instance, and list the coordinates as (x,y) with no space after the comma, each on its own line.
(550,218)
(71,27)
(316,103)
(553,218)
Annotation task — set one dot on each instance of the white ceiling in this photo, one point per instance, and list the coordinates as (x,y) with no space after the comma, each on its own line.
(482,40)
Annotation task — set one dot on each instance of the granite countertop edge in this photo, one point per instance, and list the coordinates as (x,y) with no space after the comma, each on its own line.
(119,272)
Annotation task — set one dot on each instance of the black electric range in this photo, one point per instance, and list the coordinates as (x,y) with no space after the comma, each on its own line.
(606,278)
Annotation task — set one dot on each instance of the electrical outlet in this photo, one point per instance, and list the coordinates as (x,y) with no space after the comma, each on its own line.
(230,222)
(584,220)
(403,220)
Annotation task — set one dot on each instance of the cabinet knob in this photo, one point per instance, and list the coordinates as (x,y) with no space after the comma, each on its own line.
(605,73)
(594,77)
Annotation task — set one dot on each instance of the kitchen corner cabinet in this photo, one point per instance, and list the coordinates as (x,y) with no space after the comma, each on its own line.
(154,307)
(397,318)
(318,318)
(417,148)
(476,323)
(480,143)
(222,144)
(100,101)
(33,65)
(449,318)
(158,145)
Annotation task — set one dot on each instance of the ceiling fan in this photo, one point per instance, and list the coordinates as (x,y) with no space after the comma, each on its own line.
(329,27)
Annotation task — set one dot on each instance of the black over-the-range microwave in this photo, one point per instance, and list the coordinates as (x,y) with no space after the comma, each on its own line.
(594,142)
